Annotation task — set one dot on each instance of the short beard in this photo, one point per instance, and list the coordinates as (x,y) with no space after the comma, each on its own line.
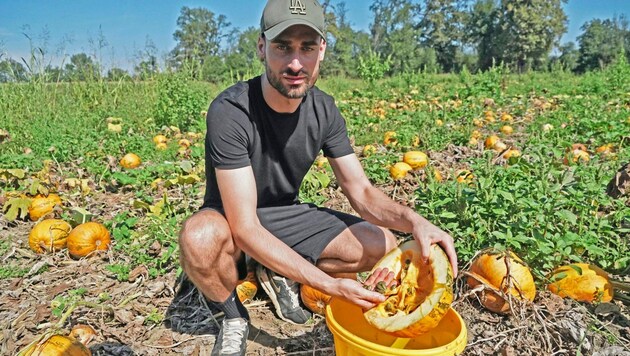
(290,93)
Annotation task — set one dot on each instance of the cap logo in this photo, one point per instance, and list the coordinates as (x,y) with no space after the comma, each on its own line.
(297,8)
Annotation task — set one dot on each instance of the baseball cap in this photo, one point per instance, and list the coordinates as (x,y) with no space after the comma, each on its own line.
(282,14)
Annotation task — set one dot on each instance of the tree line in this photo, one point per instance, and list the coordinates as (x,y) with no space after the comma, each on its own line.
(404,36)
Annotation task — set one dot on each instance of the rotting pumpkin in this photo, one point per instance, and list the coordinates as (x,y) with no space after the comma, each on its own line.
(501,273)
(581,282)
(423,292)
(87,238)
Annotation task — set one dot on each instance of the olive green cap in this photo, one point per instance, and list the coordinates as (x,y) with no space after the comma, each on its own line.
(282,14)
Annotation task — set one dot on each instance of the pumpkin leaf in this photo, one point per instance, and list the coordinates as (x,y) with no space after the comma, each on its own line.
(12,173)
(79,216)
(182,180)
(576,268)
(186,166)
(558,276)
(16,207)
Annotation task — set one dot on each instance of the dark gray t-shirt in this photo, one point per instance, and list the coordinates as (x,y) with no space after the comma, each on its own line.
(242,130)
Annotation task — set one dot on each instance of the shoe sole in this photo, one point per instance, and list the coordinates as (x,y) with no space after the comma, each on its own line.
(265,283)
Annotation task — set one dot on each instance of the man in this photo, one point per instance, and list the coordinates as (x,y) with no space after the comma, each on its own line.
(262,137)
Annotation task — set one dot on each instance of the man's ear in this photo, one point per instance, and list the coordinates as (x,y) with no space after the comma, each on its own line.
(322,50)
(260,48)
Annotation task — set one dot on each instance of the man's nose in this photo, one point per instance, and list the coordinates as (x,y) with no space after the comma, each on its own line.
(295,64)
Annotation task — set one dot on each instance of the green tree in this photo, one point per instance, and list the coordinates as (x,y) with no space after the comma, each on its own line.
(601,41)
(12,71)
(115,74)
(442,29)
(241,59)
(569,56)
(199,35)
(81,68)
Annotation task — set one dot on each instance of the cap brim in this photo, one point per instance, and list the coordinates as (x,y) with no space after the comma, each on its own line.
(276,30)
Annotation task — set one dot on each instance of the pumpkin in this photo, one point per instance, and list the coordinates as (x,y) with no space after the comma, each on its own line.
(423,292)
(42,205)
(57,345)
(368,150)
(184,142)
(464,176)
(389,138)
(606,149)
(547,127)
(82,333)
(500,272)
(506,117)
(130,160)
(314,299)
(157,139)
(320,161)
(399,170)
(247,288)
(161,146)
(511,153)
(87,238)
(576,155)
(491,141)
(507,129)
(416,159)
(582,282)
(49,235)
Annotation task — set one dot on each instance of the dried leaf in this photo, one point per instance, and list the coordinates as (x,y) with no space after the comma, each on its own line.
(16,207)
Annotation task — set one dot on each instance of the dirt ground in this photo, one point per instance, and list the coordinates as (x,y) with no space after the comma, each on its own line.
(161,316)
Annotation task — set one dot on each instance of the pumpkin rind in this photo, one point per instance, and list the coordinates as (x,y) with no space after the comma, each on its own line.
(42,205)
(423,294)
(49,235)
(581,282)
(490,269)
(314,299)
(247,288)
(416,159)
(57,345)
(130,161)
(86,238)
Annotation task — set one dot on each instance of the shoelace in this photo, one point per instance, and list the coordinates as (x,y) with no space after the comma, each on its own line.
(233,331)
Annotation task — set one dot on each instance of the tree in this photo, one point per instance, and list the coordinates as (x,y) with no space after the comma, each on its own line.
(241,59)
(199,35)
(12,71)
(395,32)
(115,74)
(81,67)
(569,56)
(442,29)
(601,41)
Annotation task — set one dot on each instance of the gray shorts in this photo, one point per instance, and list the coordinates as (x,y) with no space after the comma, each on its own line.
(306,228)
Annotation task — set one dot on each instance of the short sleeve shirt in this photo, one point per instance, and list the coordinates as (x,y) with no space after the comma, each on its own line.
(242,130)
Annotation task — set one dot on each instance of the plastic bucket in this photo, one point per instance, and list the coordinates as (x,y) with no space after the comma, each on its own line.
(354,336)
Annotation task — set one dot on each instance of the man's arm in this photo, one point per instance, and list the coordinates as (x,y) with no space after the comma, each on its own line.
(376,207)
(238,193)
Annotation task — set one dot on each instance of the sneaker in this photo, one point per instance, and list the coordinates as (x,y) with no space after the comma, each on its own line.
(285,295)
(232,339)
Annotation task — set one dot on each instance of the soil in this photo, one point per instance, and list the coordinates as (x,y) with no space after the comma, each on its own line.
(129,320)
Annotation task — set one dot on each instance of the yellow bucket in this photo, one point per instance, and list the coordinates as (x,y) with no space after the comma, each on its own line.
(354,336)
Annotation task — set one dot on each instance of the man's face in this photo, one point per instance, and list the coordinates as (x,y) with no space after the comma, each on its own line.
(292,60)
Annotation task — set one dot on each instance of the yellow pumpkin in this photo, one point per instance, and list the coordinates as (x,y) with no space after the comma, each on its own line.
(314,299)
(130,160)
(320,161)
(416,159)
(87,238)
(507,129)
(490,268)
(247,288)
(49,235)
(582,282)
(42,205)
(399,170)
(464,176)
(184,142)
(157,139)
(511,153)
(389,138)
(576,156)
(161,146)
(423,292)
(491,141)
(58,345)
(368,150)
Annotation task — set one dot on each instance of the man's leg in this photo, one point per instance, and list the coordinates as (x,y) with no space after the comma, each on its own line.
(208,255)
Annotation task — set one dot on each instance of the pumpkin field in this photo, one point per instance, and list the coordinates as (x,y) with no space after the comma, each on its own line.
(529,171)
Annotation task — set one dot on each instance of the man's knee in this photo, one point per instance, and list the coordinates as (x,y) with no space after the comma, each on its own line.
(205,233)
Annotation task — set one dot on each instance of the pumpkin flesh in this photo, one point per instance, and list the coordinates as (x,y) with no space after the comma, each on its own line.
(423,293)
(581,282)
(58,345)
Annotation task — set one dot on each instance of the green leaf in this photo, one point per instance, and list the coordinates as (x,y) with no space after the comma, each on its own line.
(16,207)
(79,216)
(567,215)
(448,215)
(12,173)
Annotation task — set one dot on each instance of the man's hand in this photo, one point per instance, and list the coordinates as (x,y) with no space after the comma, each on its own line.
(354,292)
(427,234)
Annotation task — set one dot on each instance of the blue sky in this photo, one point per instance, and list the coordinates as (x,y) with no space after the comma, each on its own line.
(65,27)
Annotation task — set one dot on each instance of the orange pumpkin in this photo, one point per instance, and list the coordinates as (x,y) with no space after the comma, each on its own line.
(314,299)
(504,273)
(507,129)
(87,238)
(389,138)
(416,159)
(42,205)
(49,235)
(491,141)
(157,139)
(57,345)
(399,170)
(130,160)
(423,293)
(582,282)
(247,288)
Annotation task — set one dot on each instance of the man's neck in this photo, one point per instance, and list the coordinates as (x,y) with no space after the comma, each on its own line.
(278,102)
